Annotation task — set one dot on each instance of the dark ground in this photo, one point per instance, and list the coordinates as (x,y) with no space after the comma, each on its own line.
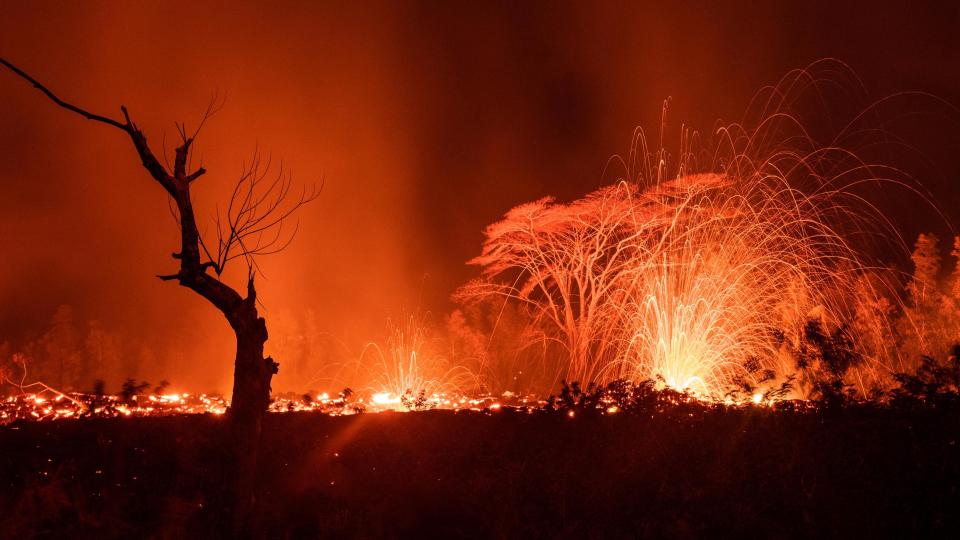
(438,474)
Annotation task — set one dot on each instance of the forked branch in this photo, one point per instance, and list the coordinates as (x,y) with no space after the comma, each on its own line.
(256,219)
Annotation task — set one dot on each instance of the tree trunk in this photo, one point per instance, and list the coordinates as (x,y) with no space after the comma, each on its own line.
(251,396)
(252,372)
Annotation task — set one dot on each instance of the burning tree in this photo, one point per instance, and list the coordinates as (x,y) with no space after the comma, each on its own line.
(252,225)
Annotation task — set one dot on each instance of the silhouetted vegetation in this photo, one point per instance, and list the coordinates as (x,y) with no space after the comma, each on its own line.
(620,395)
(826,357)
(933,385)
(415,401)
(131,388)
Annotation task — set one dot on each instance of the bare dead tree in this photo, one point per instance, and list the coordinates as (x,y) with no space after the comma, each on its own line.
(255,223)
(19,363)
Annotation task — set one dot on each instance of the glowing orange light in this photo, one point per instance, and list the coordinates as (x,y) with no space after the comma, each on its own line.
(385,398)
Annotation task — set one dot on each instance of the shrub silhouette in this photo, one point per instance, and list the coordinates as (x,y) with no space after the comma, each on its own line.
(826,357)
(933,385)
(625,395)
(131,389)
(415,401)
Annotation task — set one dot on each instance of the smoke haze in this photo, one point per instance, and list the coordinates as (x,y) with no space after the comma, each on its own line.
(424,122)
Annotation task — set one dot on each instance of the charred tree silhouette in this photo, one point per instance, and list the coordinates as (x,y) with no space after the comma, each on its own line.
(252,225)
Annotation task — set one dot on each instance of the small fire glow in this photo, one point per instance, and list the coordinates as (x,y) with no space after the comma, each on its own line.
(385,398)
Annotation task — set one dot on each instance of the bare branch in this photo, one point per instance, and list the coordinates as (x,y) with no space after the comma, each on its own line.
(196,174)
(70,107)
(253,224)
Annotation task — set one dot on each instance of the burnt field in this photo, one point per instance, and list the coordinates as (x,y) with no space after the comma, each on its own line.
(689,472)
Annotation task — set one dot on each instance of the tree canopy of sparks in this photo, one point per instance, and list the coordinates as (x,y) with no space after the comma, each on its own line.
(708,274)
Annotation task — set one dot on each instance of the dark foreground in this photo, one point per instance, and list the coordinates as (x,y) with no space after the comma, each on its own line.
(438,474)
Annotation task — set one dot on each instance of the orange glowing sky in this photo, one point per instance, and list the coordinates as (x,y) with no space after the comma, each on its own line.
(426,120)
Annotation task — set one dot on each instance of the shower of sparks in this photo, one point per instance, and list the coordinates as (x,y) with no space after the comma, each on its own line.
(691,281)
(409,371)
(708,275)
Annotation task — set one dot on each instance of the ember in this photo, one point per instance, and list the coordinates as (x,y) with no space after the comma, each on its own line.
(55,406)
